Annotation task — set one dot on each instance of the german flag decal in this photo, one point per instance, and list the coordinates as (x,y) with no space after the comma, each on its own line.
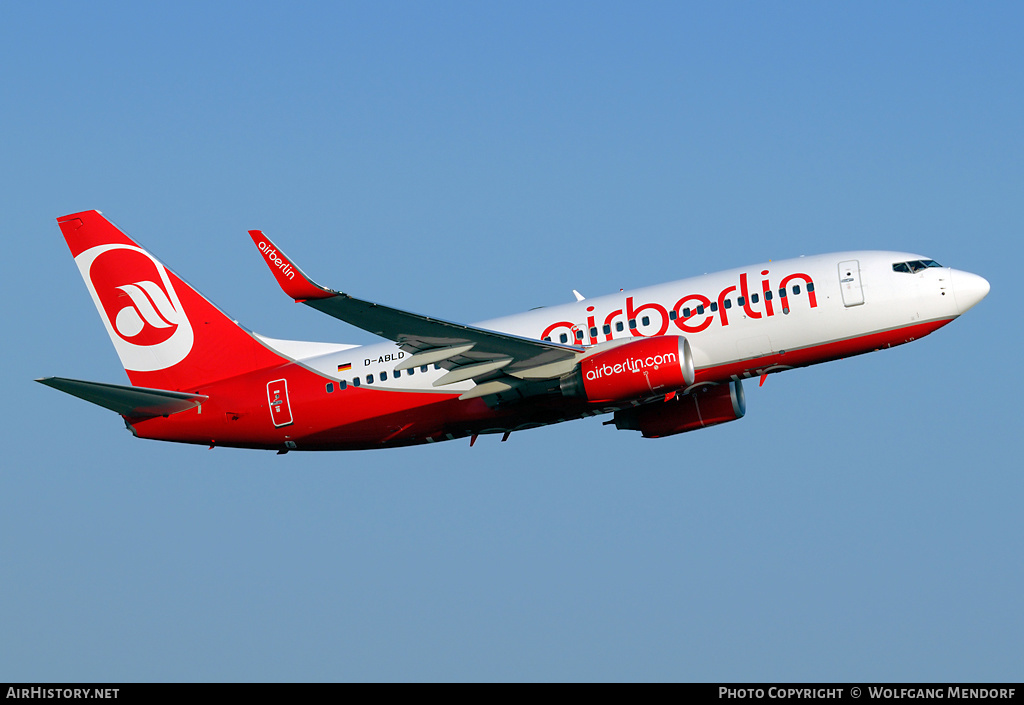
(345,368)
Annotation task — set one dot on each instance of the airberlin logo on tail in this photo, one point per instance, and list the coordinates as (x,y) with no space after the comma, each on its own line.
(138,305)
(271,254)
(150,306)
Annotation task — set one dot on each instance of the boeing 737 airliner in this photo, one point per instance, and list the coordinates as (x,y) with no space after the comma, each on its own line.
(662,360)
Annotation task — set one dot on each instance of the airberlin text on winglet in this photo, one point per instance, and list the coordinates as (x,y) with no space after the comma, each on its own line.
(291,278)
(275,261)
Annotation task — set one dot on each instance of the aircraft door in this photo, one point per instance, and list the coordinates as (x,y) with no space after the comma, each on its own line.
(280,407)
(850,284)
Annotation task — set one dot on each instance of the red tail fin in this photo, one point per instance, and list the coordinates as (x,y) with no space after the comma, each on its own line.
(167,335)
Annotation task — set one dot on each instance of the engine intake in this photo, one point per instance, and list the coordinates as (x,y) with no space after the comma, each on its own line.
(686,412)
(632,370)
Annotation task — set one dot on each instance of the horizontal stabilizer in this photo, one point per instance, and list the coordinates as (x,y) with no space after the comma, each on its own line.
(127,401)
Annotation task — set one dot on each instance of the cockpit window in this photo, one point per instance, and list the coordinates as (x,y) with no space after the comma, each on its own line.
(914,266)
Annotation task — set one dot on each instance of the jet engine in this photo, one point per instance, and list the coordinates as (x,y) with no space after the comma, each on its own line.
(635,369)
(686,412)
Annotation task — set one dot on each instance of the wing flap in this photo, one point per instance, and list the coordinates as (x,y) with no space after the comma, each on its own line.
(471,371)
(417,333)
(429,356)
(486,388)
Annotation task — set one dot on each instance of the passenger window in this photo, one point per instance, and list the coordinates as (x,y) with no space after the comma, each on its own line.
(330,387)
(768,295)
(740,301)
(646,320)
(579,334)
(548,339)
(593,332)
(672,315)
(782,293)
(810,286)
(355,382)
(700,309)
(714,306)
(686,313)
(727,304)
(632,324)
(754,298)
(398,373)
(563,338)
(342,385)
(369,379)
(607,329)
(619,327)
(437,366)
(796,290)
(423,368)
(383,376)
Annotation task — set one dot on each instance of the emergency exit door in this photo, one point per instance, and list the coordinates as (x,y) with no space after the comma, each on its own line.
(277,397)
(849,283)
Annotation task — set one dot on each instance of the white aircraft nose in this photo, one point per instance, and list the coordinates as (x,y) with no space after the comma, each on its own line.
(968,289)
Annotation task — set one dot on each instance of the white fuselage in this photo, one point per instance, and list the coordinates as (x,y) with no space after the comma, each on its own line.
(731,319)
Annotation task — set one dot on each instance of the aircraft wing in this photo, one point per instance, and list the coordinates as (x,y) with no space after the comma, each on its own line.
(492,359)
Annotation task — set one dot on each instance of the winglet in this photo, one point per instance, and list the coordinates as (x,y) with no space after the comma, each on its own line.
(292,279)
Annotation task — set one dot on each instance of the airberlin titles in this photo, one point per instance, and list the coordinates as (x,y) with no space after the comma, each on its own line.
(694,313)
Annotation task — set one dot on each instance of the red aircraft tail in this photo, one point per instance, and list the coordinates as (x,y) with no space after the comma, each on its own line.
(167,335)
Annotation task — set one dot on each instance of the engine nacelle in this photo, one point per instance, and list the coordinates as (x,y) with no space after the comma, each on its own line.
(632,370)
(687,412)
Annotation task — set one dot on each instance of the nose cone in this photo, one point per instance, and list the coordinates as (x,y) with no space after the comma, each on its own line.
(968,289)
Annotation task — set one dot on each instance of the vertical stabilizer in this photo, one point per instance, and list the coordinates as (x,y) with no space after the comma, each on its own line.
(167,334)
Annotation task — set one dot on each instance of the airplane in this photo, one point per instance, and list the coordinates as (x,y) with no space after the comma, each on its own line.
(662,360)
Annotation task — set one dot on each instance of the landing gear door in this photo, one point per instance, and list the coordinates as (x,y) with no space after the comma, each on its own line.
(280,407)
(849,283)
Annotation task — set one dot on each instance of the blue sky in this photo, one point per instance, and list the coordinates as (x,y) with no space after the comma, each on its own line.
(862,523)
